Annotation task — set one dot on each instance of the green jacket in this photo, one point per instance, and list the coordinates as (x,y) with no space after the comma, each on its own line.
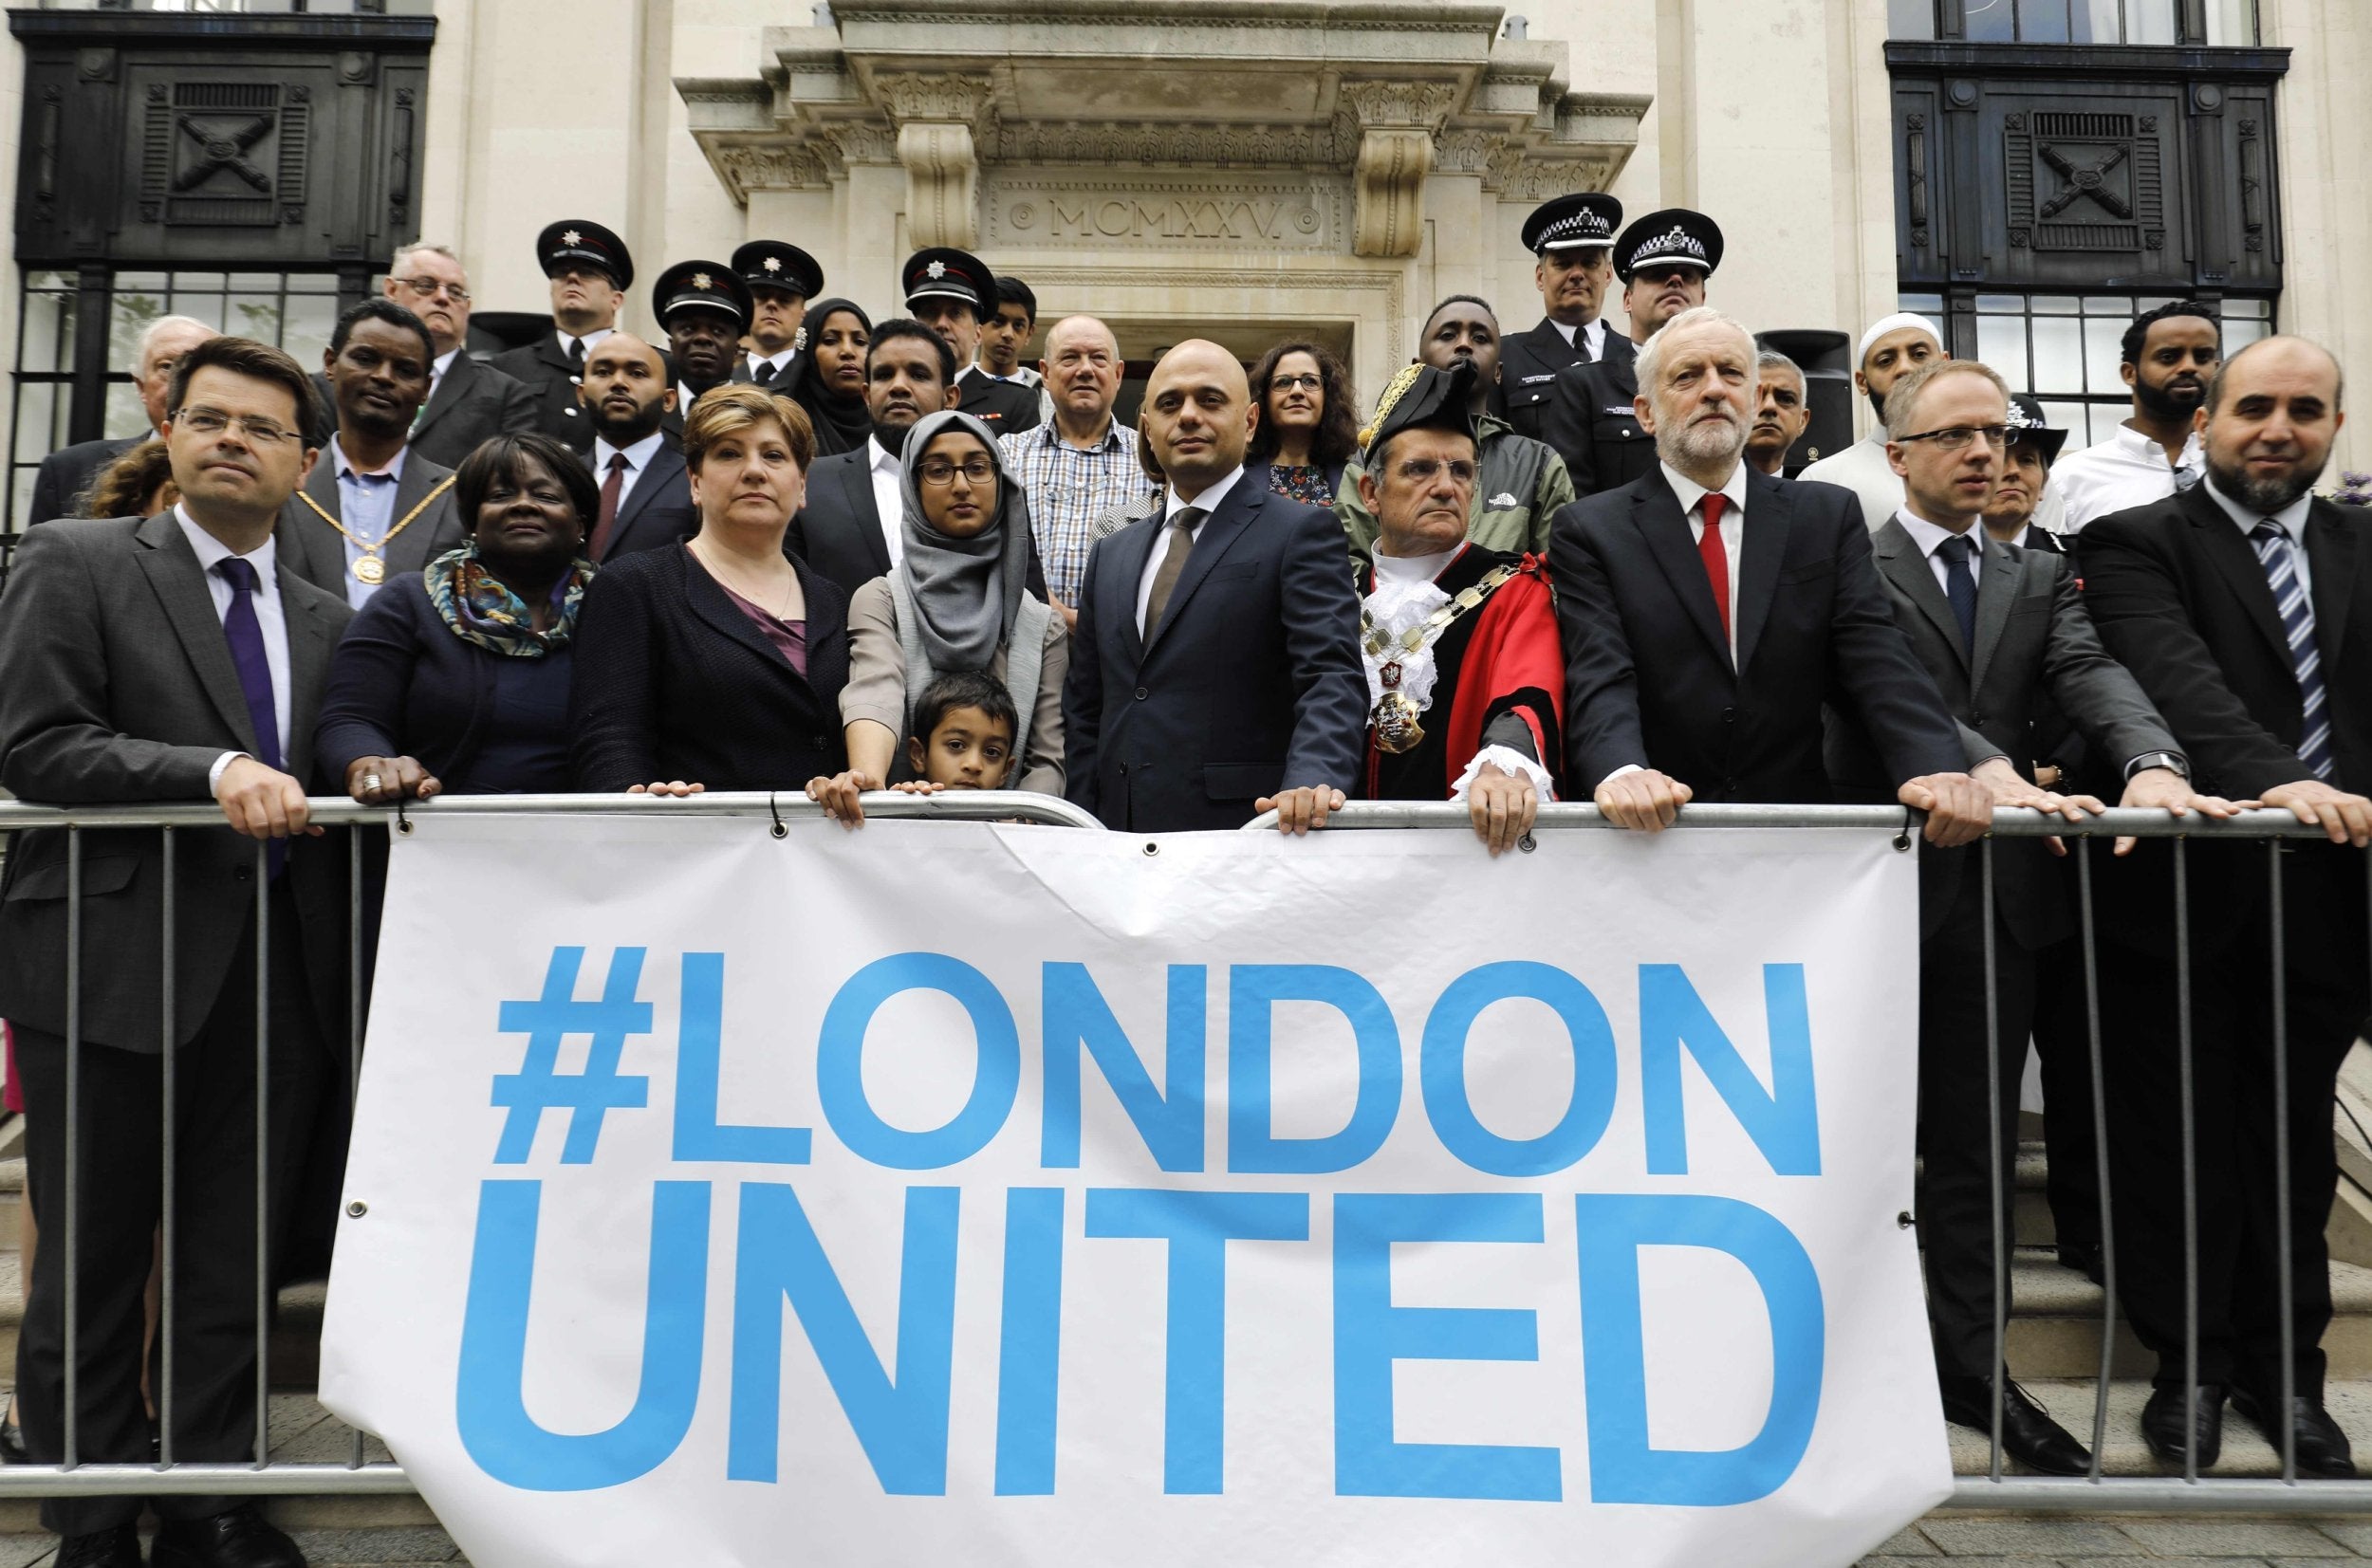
(1521,484)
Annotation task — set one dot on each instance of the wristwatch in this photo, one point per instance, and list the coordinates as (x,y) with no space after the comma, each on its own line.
(2170,761)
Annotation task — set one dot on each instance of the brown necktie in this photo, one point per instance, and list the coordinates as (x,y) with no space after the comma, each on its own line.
(611,488)
(1181,530)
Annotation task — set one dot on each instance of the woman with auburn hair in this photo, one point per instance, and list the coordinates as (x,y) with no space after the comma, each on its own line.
(1308,420)
(718,664)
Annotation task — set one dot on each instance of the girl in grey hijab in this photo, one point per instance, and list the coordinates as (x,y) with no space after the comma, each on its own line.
(955,600)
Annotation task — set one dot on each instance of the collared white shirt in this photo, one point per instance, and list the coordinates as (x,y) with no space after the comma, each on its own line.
(889,496)
(590,340)
(763,369)
(271,617)
(1692,496)
(1209,501)
(2292,520)
(436,369)
(639,457)
(1595,331)
(366,508)
(1930,538)
(2127,470)
(1022,376)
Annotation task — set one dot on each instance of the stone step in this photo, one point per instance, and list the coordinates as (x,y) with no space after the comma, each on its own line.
(326,1539)
(2055,1323)
(2246,1452)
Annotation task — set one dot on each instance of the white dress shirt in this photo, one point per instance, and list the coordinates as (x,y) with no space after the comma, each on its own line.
(1930,538)
(638,458)
(1595,331)
(889,496)
(271,617)
(1692,496)
(1209,501)
(2292,520)
(567,343)
(763,369)
(436,369)
(2127,470)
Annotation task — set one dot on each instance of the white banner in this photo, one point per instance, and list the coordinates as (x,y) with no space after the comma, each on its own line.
(1011,1195)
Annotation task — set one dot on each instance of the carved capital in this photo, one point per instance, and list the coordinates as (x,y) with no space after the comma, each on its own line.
(942,183)
(933,96)
(862,142)
(746,169)
(1392,106)
(1468,152)
(1389,186)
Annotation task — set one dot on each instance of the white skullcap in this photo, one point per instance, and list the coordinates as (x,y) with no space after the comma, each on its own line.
(1895,322)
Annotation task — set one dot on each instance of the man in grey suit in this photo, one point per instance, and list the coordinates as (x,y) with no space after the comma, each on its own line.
(469,401)
(372,508)
(2003,634)
(169,659)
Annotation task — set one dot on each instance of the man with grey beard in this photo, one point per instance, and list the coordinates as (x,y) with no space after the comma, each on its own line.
(1700,651)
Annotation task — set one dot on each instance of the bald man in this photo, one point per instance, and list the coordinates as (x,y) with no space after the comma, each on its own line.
(647,493)
(1080,464)
(1215,672)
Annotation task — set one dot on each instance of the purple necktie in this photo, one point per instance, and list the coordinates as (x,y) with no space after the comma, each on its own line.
(246,635)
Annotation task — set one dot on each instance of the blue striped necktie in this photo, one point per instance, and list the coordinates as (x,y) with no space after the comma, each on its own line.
(2289,598)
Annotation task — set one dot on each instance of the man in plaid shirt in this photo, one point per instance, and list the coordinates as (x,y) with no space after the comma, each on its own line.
(1079,464)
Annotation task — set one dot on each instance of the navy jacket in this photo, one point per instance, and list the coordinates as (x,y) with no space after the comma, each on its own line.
(1253,681)
(658,511)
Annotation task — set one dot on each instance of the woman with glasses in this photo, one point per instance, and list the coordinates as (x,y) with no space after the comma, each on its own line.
(956,601)
(1308,420)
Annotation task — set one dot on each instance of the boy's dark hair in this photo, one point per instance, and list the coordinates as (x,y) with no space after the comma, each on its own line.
(1014,291)
(902,327)
(380,308)
(963,689)
(2129,352)
(246,356)
(1461,299)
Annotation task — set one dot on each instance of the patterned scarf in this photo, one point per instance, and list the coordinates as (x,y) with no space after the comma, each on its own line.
(478,608)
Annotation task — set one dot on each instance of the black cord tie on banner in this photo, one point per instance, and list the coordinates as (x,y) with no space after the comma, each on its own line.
(1902,838)
(404,822)
(776,812)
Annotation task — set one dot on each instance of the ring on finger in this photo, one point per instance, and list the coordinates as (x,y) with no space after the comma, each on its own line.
(371,783)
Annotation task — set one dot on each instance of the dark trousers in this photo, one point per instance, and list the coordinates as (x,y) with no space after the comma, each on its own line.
(2238,1217)
(2062,1049)
(1961,1166)
(119,1207)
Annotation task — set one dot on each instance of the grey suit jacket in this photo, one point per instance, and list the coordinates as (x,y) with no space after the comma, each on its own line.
(473,403)
(2036,651)
(116,687)
(318,553)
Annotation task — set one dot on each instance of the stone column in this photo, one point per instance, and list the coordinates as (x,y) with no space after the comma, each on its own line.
(1397,123)
(934,114)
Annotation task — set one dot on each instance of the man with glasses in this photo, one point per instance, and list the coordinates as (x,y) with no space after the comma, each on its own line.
(2004,636)
(468,399)
(590,271)
(65,473)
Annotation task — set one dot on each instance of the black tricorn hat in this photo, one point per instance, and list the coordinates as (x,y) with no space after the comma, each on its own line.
(1422,397)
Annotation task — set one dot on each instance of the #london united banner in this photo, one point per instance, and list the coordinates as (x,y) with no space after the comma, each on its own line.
(1012,1195)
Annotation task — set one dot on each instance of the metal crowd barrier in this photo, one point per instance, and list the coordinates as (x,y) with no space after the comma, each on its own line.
(1994,1491)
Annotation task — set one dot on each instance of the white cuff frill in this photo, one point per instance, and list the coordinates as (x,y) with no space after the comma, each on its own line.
(1508,761)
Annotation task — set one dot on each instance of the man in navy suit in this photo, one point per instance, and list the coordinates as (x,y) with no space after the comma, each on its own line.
(1215,671)
(1710,612)
(852,527)
(646,494)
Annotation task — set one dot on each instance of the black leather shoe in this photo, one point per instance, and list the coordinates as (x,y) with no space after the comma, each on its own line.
(116,1548)
(2028,1434)
(235,1538)
(2084,1260)
(2322,1450)
(2162,1425)
(12,1441)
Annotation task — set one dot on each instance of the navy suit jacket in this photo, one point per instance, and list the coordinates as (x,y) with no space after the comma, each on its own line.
(1649,678)
(1251,683)
(839,531)
(658,511)
(65,473)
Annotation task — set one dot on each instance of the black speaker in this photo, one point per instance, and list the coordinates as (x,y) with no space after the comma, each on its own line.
(1826,360)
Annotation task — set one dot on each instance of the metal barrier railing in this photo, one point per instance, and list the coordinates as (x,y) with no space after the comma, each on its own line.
(1996,1491)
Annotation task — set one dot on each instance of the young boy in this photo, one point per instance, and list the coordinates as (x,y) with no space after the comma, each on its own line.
(963,735)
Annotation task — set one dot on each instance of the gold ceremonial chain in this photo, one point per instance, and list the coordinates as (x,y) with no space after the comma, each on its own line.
(1396,715)
(370,569)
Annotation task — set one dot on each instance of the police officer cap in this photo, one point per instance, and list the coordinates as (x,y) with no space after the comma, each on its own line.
(701,286)
(1675,235)
(1422,397)
(2028,427)
(575,242)
(1583,219)
(770,263)
(943,273)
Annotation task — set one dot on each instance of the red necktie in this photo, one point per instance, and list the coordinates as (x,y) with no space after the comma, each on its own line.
(611,488)
(1716,555)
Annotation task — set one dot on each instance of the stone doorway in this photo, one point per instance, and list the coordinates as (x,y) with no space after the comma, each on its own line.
(1143,341)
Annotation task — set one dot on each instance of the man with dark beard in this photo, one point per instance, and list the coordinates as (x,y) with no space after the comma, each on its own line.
(852,529)
(647,493)
(2239,604)
(2167,356)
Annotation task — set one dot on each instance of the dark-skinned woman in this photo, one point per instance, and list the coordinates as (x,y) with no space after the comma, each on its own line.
(456,679)
(956,601)
(831,387)
(717,663)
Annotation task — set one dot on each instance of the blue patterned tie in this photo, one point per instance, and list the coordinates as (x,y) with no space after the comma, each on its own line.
(2289,598)
(1961,587)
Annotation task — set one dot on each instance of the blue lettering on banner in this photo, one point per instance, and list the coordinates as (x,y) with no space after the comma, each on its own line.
(1253,991)
(839,1063)
(700,1068)
(1442,1070)
(539,1085)
(1170,1118)
(1784,1122)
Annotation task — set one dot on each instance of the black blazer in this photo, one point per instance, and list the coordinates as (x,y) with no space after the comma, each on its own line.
(317,552)
(1590,422)
(1648,675)
(1253,681)
(2036,654)
(473,404)
(658,509)
(674,682)
(839,531)
(65,473)
(1529,362)
(552,383)
(783,381)
(1003,406)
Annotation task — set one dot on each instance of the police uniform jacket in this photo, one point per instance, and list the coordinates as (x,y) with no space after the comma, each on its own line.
(1590,422)
(1529,363)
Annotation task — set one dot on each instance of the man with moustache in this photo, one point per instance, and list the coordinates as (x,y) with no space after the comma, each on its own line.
(590,271)
(1520,483)
(703,308)
(467,401)
(1573,237)
(852,527)
(1781,412)
(1891,348)
(2166,357)
(1700,652)
(780,280)
(65,474)
(2241,604)
(646,492)
(1080,464)
(372,508)
(1663,260)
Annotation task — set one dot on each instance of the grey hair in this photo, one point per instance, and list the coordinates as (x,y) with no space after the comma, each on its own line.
(155,329)
(1770,359)
(1651,354)
(404,253)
